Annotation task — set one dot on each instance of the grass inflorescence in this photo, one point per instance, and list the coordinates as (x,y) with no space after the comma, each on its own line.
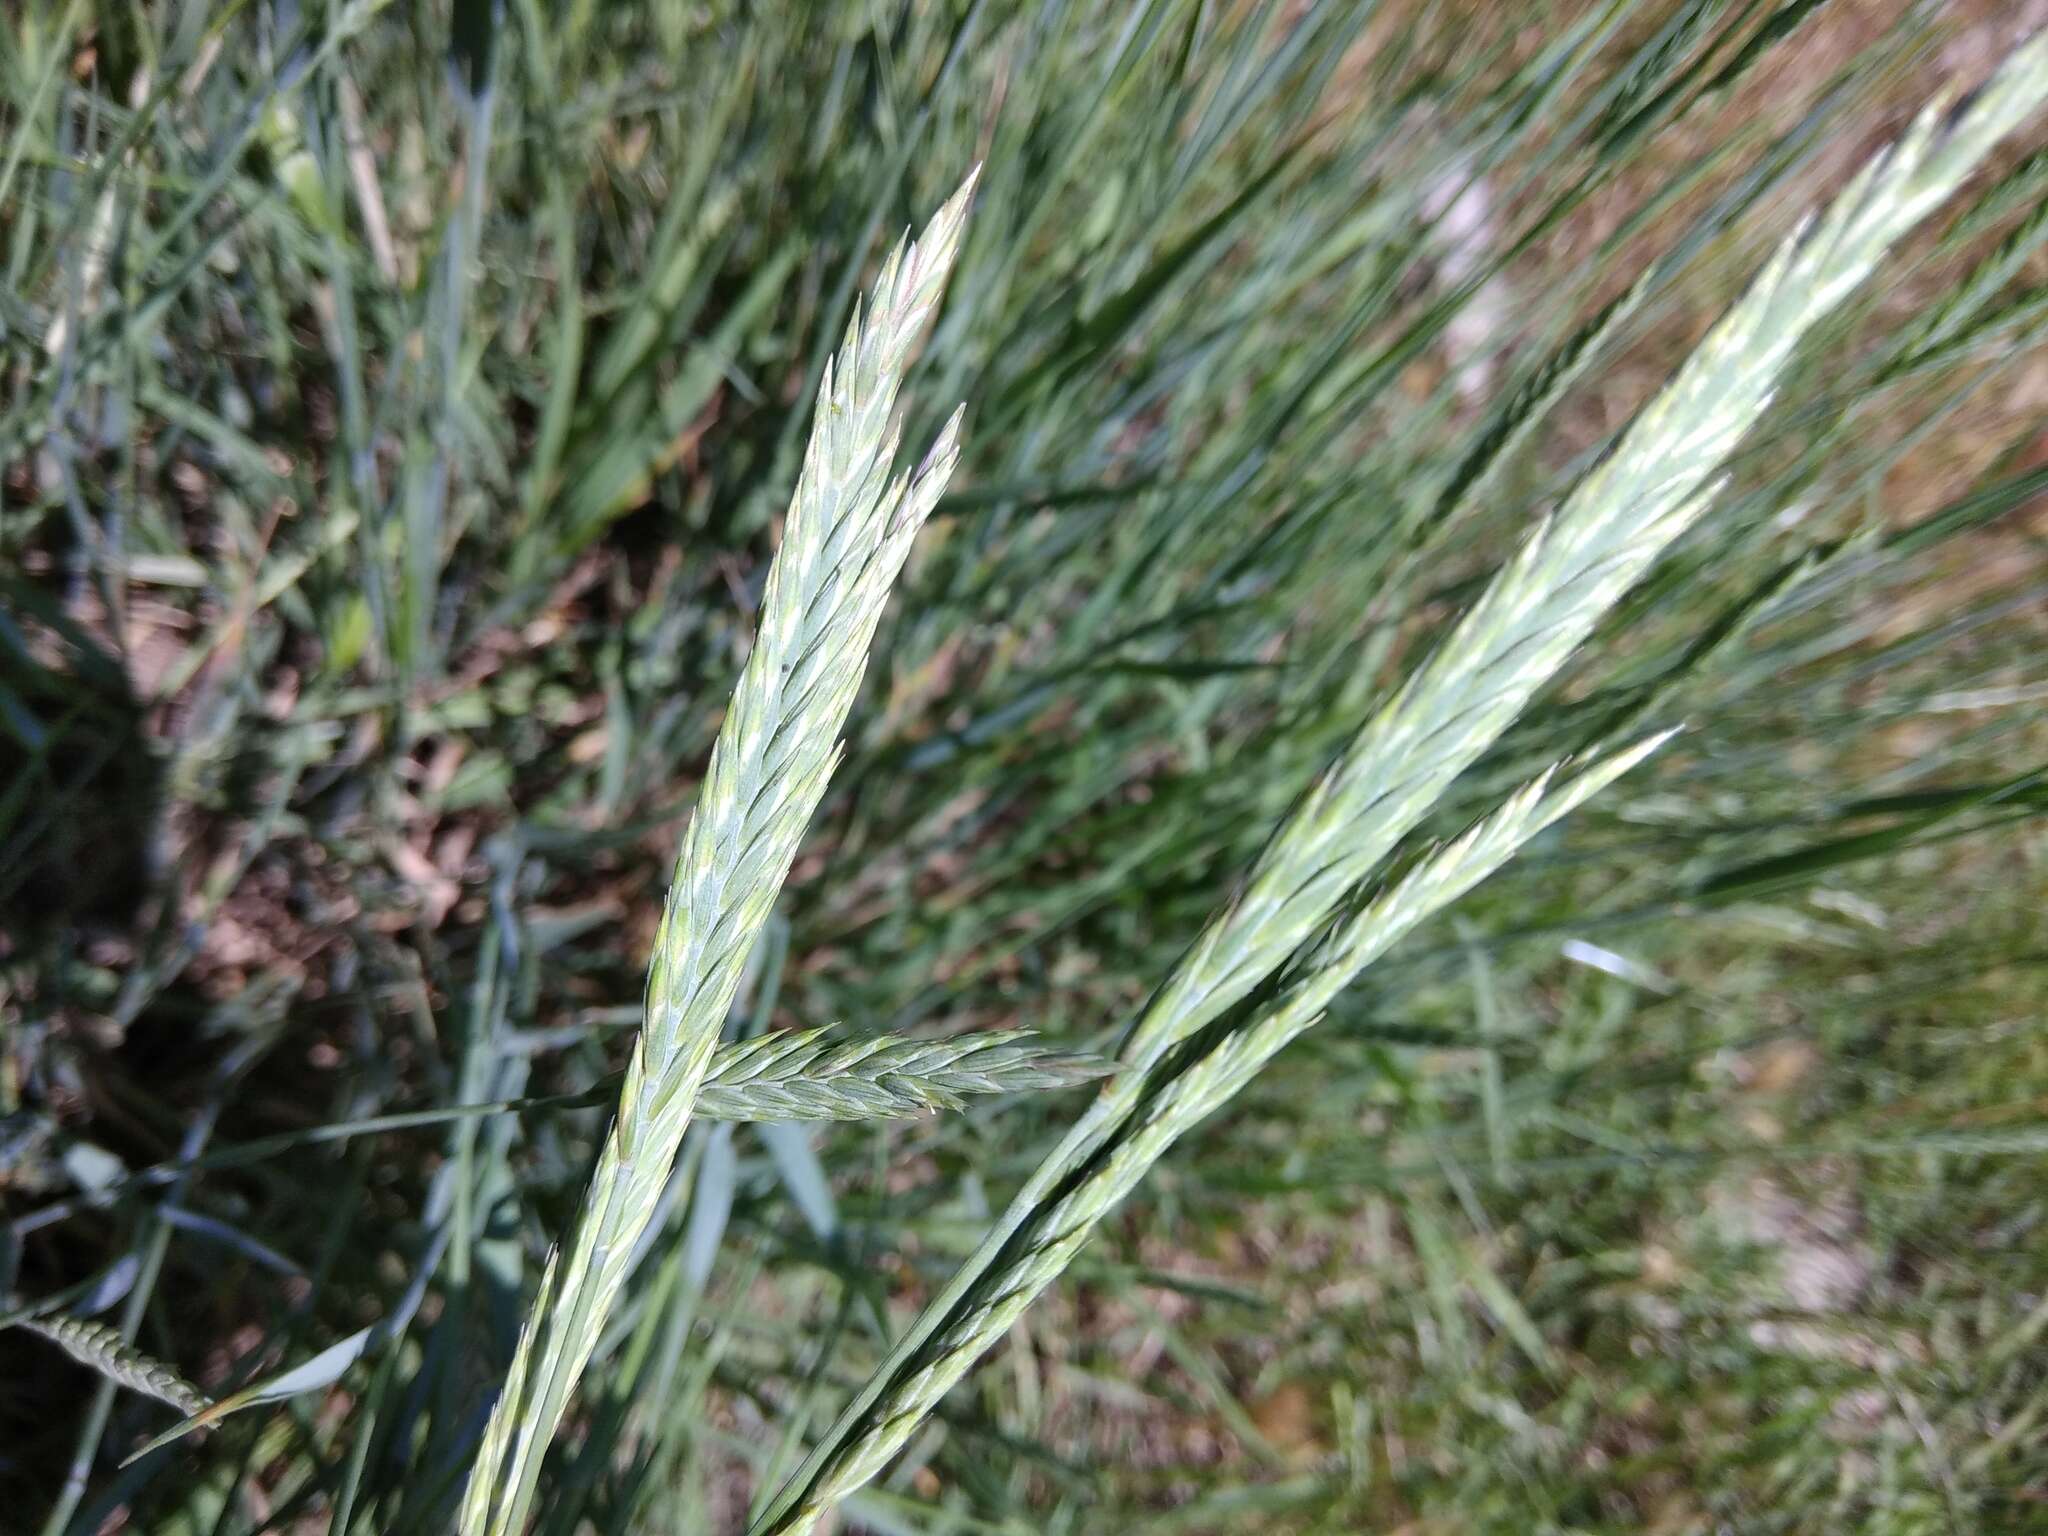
(849,529)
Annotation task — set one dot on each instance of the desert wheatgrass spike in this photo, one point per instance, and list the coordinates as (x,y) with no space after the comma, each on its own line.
(810,1075)
(102,1349)
(1179,1095)
(1177,1099)
(1570,571)
(1609,529)
(848,531)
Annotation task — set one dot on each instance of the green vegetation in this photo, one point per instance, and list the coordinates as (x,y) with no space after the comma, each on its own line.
(404,413)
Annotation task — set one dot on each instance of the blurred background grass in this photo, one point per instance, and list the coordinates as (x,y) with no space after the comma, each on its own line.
(398,404)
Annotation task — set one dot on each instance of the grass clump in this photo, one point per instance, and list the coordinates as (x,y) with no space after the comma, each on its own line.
(427,438)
